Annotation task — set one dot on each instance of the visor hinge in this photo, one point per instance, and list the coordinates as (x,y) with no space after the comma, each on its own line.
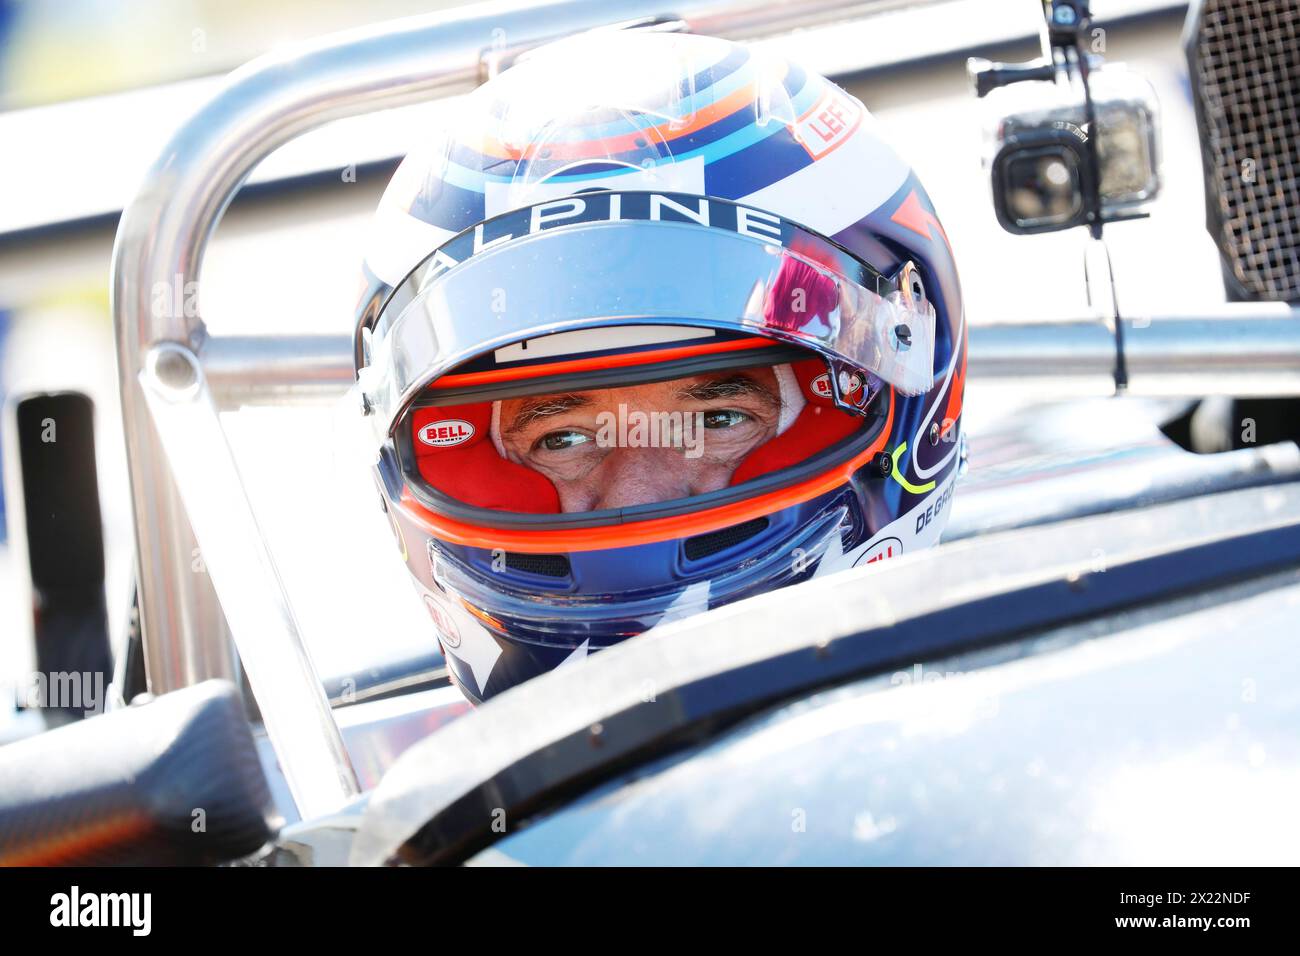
(850,386)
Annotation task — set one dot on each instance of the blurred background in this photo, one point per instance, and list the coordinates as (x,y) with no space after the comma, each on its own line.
(90,91)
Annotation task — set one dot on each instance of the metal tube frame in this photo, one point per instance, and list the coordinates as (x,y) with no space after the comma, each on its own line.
(156,270)
(1239,349)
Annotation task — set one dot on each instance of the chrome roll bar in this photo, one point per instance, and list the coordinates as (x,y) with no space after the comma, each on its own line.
(1245,349)
(185,599)
(1239,349)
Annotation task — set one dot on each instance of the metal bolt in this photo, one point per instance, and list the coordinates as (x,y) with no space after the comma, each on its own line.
(173,368)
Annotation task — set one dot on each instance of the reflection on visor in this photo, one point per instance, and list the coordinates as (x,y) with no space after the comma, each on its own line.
(618,259)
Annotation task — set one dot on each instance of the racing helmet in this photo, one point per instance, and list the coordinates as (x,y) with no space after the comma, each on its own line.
(626,208)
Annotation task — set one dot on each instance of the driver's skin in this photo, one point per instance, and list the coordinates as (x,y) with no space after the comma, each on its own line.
(560,436)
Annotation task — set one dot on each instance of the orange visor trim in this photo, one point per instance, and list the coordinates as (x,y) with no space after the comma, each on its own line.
(648,531)
(603,362)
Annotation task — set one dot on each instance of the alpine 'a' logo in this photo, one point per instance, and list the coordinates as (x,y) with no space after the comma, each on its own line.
(443,434)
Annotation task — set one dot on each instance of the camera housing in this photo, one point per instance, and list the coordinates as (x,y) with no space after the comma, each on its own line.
(1070,141)
(1046,159)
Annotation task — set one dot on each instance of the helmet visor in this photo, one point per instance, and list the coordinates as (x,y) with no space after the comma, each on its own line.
(644,259)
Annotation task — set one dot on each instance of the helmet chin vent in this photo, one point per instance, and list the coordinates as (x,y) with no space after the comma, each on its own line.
(546,565)
(703,545)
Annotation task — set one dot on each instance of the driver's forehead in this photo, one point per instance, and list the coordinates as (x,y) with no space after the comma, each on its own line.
(753,383)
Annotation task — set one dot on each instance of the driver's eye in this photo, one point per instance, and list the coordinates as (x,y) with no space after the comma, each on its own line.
(724,418)
(559,441)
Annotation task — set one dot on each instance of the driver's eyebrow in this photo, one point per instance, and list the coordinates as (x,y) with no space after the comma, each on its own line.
(731,387)
(544,406)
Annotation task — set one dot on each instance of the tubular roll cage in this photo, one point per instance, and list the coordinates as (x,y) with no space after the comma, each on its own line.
(176,378)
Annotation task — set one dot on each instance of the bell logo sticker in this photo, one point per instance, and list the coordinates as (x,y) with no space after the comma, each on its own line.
(443,434)
(821,385)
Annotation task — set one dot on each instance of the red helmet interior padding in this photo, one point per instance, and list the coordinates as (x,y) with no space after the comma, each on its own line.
(468,468)
(472,471)
(818,426)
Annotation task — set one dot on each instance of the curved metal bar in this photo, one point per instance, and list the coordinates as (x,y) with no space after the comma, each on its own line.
(161,240)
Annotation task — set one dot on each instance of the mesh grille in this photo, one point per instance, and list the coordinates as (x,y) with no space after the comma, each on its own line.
(1246,67)
(547,565)
(703,545)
